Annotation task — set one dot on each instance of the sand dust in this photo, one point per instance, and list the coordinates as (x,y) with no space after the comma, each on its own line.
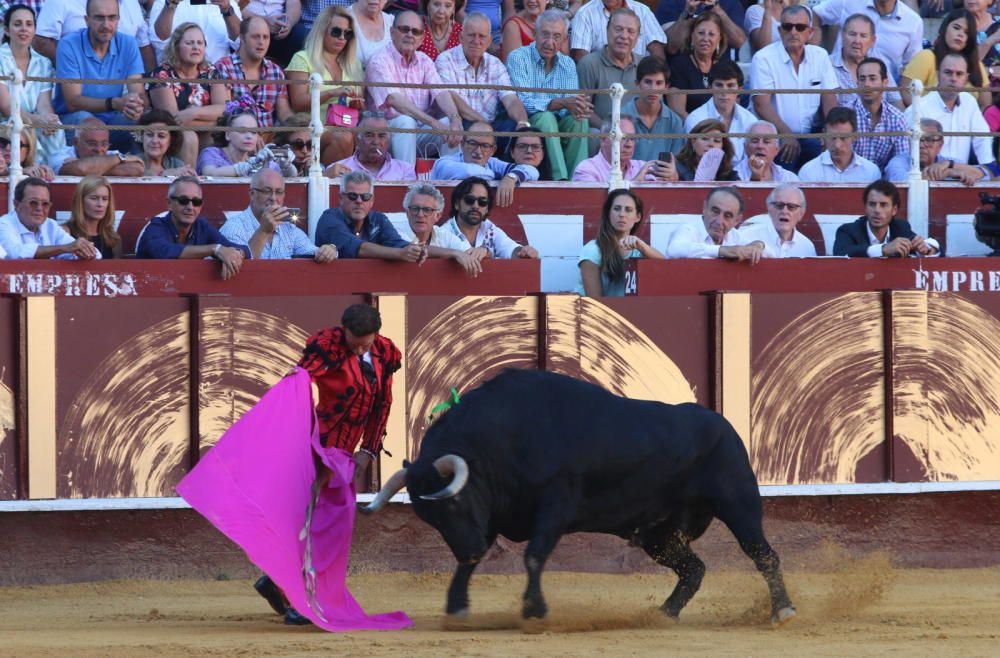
(847,607)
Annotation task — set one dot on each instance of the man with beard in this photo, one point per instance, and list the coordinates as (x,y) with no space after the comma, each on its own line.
(423,204)
(471,203)
(878,233)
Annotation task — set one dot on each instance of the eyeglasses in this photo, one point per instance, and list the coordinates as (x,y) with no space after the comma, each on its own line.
(422,210)
(340,33)
(530,148)
(35,204)
(781,205)
(480,201)
(473,144)
(266,191)
(185,200)
(798,27)
(932,139)
(359,196)
(300,145)
(406,29)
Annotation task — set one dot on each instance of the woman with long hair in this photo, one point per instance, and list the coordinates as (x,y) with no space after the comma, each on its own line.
(602,261)
(35,97)
(706,44)
(239,152)
(528,147)
(160,146)
(706,136)
(188,102)
(441,30)
(330,50)
(29,154)
(93,216)
(956,36)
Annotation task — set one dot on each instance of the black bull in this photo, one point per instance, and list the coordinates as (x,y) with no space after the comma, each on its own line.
(533,455)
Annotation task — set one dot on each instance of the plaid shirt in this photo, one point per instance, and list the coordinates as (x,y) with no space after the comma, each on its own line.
(36,5)
(266,96)
(288,240)
(453,67)
(527,69)
(881,149)
(388,65)
(312,9)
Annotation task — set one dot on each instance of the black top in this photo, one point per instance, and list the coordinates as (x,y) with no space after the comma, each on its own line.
(684,74)
(98,242)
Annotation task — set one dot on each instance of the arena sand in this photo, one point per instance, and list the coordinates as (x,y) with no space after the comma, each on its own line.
(847,607)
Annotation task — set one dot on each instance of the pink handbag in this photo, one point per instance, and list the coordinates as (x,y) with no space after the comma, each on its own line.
(342,116)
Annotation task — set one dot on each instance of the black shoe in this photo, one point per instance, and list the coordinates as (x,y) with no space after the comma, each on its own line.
(272,594)
(293,618)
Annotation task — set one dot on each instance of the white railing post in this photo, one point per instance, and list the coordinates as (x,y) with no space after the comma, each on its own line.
(918,194)
(319,185)
(16,126)
(616,181)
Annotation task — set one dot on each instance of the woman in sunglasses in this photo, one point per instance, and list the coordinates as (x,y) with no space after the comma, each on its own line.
(372,27)
(441,31)
(29,153)
(299,143)
(331,50)
(93,216)
(237,152)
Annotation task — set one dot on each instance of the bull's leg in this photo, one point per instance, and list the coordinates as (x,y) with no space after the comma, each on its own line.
(550,521)
(672,549)
(458,592)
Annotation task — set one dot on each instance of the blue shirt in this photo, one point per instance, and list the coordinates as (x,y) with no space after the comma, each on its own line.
(336,228)
(527,69)
(287,241)
(75,58)
(161,239)
(454,167)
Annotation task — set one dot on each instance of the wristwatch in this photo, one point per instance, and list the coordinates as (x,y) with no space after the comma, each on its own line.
(227,12)
(107,105)
(121,157)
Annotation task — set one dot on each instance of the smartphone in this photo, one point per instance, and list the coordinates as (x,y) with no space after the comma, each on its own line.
(199,2)
(293,215)
(665,156)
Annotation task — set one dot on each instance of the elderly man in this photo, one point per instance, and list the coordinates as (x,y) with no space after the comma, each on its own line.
(899,29)
(476,159)
(716,235)
(28,232)
(100,52)
(652,116)
(372,153)
(541,65)
(270,101)
(598,168)
(878,233)
(89,155)
(934,167)
(590,28)
(956,111)
(680,13)
(839,163)
(614,63)
(857,43)
(761,149)
(359,232)
(725,79)
(61,19)
(181,233)
(423,205)
(470,64)
(400,61)
(471,203)
(793,64)
(786,205)
(890,154)
(268,227)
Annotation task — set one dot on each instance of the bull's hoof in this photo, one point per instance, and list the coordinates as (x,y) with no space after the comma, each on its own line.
(670,613)
(534,626)
(782,617)
(534,609)
(456,621)
(459,615)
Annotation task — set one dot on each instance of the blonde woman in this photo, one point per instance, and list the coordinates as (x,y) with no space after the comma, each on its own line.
(331,50)
(93,216)
(29,153)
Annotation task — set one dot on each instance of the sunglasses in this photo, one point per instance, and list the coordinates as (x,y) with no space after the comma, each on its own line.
(931,140)
(299,145)
(185,200)
(35,204)
(406,29)
(480,201)
(340,33)
(781,205)
(798,27)
(359,196)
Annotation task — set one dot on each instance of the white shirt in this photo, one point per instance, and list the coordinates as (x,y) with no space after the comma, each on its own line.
(742,120)
(590,27)
(490,237)
(774,247)
(692,240)
(753,19)
(965,117)
(207,17)
(439,238)
(875,250)
(772,68)
(61,17)
(821,169)
(900,34)
(778,174)
(17,241)
(365,48)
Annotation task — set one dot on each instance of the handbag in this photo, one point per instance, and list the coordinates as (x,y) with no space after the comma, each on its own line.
(342,116)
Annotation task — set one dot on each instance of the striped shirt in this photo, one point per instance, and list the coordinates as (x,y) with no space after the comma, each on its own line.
(527,69)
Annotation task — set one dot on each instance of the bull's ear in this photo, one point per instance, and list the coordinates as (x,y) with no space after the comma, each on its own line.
(406,463)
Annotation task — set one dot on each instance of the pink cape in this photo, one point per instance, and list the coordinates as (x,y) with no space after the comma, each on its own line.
(255,486)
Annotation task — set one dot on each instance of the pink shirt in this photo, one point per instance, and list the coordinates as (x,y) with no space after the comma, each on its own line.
(387,65)
(392,169)
(598,170)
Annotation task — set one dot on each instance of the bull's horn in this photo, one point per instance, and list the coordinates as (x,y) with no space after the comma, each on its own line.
(388,490)
(454,466)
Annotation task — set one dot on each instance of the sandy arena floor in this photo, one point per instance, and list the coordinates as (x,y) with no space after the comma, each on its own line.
(847,608)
